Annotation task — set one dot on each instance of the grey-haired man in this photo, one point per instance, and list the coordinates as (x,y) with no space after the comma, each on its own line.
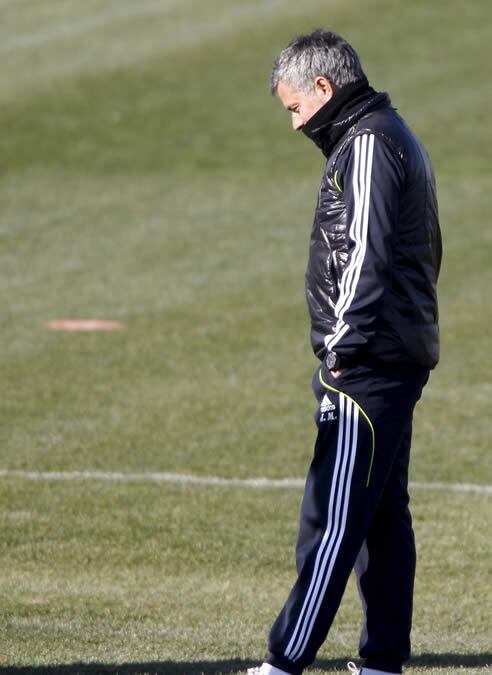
(374,259)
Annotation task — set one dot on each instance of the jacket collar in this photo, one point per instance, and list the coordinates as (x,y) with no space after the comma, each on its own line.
(348,105)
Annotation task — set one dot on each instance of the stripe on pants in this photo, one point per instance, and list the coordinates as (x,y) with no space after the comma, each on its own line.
(339,496)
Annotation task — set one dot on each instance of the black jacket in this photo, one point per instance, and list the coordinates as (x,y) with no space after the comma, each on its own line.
(375,247)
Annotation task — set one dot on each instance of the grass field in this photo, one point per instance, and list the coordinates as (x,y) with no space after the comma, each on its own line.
(148,177)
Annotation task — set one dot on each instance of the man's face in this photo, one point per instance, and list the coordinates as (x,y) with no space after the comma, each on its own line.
(303,106)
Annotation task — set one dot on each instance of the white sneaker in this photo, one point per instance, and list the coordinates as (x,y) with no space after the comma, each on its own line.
(266,669)
(366,671)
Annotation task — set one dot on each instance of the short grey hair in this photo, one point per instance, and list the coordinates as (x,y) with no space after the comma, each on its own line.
(320,53)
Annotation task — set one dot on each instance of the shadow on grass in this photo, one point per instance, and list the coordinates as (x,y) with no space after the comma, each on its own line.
(230,667)
(451,660)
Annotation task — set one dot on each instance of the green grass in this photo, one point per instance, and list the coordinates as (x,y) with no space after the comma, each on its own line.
(144,575)
(148,177)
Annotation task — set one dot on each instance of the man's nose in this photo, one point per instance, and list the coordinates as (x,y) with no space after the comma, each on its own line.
(297,122)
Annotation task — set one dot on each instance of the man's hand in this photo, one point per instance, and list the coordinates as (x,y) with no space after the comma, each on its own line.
(336,373)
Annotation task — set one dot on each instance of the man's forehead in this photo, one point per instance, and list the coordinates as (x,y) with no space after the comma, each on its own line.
(286,89)
(287,93)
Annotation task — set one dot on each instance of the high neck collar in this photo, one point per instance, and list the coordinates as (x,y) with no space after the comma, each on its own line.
(349,103)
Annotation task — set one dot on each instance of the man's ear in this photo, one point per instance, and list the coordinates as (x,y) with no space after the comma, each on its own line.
(323,88)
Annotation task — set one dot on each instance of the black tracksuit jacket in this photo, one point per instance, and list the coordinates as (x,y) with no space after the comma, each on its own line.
(375,249)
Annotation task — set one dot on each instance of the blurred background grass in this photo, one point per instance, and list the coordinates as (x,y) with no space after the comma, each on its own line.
(147,176)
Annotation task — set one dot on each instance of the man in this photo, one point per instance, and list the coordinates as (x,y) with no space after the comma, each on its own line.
(374,258)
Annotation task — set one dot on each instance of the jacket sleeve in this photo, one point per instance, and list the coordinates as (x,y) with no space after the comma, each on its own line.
(372,176)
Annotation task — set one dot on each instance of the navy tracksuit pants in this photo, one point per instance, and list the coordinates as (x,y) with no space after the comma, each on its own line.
(355,514)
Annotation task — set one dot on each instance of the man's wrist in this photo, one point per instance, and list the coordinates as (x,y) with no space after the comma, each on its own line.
(333,361)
